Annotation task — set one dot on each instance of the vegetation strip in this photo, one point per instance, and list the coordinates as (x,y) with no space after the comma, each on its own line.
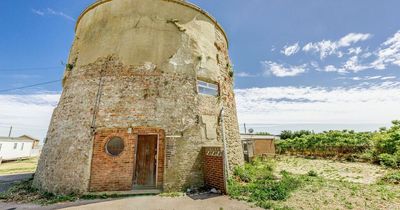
(381,147)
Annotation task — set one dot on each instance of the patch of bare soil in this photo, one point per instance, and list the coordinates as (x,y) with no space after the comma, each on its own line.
(364,173)
(328,194)
(339,185)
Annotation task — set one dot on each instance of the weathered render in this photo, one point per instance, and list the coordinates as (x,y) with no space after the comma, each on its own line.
(135,64)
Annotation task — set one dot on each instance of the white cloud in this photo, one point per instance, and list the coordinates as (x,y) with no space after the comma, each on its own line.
(332,68)
(388,78)
(28,114)
(324,47)
(352,38)
(354,65)
(328,47)
(279,70)
(355,51)
(38,12)
(50,11)
(366,78)
(290,50)
(358,104)
(389,53)
(366,55)
(244,74)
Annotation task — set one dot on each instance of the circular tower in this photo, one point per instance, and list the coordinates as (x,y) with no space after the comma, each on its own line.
(142,94)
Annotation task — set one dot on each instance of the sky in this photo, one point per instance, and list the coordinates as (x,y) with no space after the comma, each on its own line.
(311,64)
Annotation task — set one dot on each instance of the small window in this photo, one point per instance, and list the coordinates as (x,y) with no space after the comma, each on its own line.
(1,146)
(22,146)
(207,88)
(115,146)
(15,145)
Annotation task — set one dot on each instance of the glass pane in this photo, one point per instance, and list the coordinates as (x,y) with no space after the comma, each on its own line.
(115,146)
(213,86)
(201,83)
(207,88)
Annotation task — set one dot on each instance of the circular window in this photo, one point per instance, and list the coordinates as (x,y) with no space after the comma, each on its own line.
(115,146)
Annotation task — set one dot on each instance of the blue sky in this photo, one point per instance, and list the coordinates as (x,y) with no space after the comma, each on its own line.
(307,62)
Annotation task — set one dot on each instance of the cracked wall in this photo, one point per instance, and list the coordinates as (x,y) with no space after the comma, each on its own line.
(136,64)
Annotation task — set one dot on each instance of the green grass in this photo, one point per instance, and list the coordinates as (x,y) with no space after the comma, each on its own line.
(260,184)
(18,166)
(24,192)
(256,183)
(391,178)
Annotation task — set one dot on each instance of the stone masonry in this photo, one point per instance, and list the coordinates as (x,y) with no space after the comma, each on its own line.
(134,67)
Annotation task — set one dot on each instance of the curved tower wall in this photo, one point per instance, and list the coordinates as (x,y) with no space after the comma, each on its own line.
(133,67)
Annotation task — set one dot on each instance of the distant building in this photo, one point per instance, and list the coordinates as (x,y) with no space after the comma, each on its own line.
(13,148)
(257,145)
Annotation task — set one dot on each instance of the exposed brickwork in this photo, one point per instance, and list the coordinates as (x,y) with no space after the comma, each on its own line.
(214,168)
(144,73)
(115,173)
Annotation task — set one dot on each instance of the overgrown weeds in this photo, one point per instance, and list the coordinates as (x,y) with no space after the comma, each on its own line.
(382,147)
(391,178)
(256,183)
(25,192)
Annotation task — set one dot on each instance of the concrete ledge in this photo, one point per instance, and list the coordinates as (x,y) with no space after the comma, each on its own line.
(132,192)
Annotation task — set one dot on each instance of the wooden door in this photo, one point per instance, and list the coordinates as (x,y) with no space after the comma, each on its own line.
(146,161)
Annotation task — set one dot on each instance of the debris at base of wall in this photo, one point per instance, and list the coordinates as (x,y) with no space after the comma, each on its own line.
(215,191)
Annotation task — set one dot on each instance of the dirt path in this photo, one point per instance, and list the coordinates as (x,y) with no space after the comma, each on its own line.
(347,171)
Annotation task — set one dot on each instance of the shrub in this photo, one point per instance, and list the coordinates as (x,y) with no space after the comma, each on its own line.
(387,160)
(257,170)
(392,178)
(255,183)
(382,146)
(312,173)
(368,156)
(243,174)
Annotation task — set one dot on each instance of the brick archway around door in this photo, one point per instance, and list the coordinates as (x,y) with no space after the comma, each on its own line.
(116,173)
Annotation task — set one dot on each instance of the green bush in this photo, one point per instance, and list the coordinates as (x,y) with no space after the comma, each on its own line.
(382,146)
(387,160)
(257,170)
(255,183)
(312,173)
(392,178)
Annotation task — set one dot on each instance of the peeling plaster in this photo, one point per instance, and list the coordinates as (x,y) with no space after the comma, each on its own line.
(198,38)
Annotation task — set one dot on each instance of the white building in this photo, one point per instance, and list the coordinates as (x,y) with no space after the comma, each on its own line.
(12,148)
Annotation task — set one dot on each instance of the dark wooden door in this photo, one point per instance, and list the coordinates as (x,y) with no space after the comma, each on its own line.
(146,161)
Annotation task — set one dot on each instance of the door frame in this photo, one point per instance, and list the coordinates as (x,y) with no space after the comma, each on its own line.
(157,155)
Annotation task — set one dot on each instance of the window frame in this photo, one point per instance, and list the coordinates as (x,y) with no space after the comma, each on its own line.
(109,140)
(208,86)
(15,146)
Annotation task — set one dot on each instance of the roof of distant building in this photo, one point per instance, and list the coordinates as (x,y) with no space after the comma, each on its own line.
(258,137)
(20,138)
